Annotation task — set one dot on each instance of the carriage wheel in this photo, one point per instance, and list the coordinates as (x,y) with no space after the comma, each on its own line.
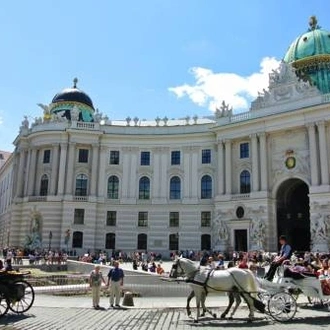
(282,306)
(25,302)
(4,305)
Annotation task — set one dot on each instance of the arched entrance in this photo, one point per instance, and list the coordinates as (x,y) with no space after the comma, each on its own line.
(292,203)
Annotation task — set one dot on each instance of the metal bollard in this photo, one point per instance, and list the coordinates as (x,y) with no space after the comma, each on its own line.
(128,299)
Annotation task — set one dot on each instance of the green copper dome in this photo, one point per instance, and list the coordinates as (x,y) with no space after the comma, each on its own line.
(310,55)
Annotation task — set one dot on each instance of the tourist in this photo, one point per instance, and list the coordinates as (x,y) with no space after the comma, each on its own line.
(115,282)
(160,269)
(152,267)
(95,282)
(221,263)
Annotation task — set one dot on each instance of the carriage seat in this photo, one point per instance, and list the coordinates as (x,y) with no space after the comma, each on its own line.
(297,275)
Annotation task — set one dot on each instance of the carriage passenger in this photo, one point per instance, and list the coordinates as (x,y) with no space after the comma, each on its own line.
(324,270)
(324,277)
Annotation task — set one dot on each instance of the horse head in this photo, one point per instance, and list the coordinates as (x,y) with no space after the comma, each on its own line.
(176,270)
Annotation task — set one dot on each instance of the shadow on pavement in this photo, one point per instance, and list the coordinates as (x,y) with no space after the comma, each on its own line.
(257,323)
(12,318)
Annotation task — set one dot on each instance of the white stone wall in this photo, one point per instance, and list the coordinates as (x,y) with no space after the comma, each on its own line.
(304,133)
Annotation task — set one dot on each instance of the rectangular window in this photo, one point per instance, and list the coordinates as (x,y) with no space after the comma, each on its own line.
(206,156)
(114,157)
(175,157)
(46,157)
(206,219)
(145,158)
(143,219)
(83,156)
(111,218)
(79,215)
(244,150)
(174,219)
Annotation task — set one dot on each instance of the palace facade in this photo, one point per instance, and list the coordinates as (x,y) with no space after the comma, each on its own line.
(80,181)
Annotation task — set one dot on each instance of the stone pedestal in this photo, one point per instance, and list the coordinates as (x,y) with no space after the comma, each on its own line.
(221,245)
(256,246)
(320,247)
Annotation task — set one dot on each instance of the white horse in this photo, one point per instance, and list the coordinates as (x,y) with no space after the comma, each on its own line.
(203,281)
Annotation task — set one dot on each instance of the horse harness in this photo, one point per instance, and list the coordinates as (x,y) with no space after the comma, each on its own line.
(191,279)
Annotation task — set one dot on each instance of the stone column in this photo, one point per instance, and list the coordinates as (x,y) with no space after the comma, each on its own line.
(313,155)
(20,174)
(102,177)
(32,172)
(164,183)
(94,166)
(228,166)
(323,153)
(220,168)
(263,161)
(70,170)
(134,183)
(156,164)
(186,160)
(62,169)
(54,175)
(126,172)
(255,163)
(194,173)
(27,172)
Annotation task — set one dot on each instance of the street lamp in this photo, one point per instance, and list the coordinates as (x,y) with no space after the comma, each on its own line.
(50,236)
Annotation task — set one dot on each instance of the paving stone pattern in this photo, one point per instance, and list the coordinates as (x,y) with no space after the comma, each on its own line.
(53,318)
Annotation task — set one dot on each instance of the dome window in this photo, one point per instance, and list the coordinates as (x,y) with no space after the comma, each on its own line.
(305,39)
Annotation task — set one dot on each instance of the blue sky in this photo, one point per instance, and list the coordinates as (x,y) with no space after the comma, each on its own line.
(143,58)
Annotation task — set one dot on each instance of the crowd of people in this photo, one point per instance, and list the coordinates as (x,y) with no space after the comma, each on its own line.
(16,255)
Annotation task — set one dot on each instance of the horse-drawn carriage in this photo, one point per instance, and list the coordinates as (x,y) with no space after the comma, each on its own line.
(16,294)
(276,299)
(306,284)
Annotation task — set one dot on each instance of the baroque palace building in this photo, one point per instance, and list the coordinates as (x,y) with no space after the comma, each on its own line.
(79,181)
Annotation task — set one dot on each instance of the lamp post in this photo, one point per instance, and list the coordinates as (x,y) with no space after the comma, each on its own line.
(50,236)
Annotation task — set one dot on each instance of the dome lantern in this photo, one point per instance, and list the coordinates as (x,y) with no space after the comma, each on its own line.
(309,54)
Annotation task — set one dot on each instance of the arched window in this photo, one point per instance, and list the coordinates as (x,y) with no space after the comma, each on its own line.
(77,239)
(144,188)
(206,187)
(113,187)
(174,242)
(44,185)
(206,242)
(175,188)
(142,242)
(245,182)
(110,241)
(81,185)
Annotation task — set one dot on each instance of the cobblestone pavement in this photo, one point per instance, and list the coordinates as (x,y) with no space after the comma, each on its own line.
(51,318)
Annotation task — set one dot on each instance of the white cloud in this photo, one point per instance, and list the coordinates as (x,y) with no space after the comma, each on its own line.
(1,121)
(211,88)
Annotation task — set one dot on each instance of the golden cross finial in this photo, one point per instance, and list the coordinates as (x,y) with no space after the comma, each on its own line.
(313,22)
(75,80)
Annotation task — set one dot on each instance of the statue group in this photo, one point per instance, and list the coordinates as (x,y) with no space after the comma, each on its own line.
(33,240)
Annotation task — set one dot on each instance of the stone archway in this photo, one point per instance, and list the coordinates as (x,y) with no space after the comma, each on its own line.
(293,216)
